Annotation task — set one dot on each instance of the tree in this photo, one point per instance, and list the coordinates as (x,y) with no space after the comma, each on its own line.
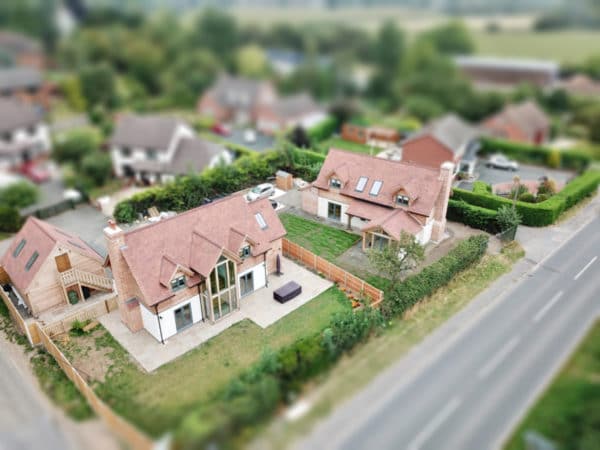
(97,167)
(71,89)
(388,53)
(216,31)
(251,61)
(19,195)
(299,137)
(589,116)
(74,147)
(191,73)
(397,257)
(452,38)
(98,85)
(422,107)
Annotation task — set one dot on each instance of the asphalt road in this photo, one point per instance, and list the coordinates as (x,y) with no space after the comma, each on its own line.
(25,422)
(475,390)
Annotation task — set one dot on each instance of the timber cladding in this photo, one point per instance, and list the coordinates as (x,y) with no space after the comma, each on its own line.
(332,272)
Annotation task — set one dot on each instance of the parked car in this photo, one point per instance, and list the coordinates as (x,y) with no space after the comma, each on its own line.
(34,172)
(260,191)
(499,161)
(249,136)
(220,129)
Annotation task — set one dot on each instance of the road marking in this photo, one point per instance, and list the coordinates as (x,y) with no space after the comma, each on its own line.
(542,312)
(586,267)
(498,358)
(435,423)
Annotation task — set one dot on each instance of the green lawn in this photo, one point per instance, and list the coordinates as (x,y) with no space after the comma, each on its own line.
(569,412)
(342,144)
(325,241)
(157,402)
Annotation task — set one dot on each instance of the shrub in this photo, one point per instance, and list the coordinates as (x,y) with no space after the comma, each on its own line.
(507,218)
(322,130)
(10,219)
(19,195)
(97,167)
(553,159)
(480,187)
(547,186)
(473,216)
(527,197)
(75,146)
(518,190)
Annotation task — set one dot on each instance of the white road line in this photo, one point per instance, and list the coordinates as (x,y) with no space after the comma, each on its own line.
(586,267)
(542,312)
(498,358)
(434,424)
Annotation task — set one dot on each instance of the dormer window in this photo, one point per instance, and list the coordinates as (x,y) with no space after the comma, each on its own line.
(245,252)
(126,152)
(402,200)
(335,183)
(178,283)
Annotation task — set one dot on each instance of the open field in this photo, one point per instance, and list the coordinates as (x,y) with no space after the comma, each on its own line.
(158,401)
(325,241)
(569,411)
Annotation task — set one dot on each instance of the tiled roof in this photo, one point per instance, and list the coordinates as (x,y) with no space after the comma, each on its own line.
(40,237)
(296,105)
(234,91)
(18,43)
(19,78)
(148,131)
(527,116)
(15,114)
(393,222)
(195,240)
(421,183)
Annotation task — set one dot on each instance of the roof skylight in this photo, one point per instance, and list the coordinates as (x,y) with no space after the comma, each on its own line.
(261,221)
(362,182)
(376,187)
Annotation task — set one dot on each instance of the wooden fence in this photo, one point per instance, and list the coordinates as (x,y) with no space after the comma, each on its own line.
(332,272)
(133,437)
(90,312)
(23,326)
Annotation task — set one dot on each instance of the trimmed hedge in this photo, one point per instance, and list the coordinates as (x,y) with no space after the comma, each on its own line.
(421,285)
(322,130)
(10,219)
(473,216)
(537,214)
(527,153)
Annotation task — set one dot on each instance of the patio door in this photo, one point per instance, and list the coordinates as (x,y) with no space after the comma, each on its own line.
(183,317)
(334,211)
(247,283)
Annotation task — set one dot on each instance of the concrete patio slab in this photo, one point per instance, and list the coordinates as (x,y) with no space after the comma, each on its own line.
(260,307)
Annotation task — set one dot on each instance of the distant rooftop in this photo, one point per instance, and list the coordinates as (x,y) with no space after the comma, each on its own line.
(507,63)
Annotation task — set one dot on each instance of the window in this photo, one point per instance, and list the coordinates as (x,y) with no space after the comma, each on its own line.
(151,154)
(261,221)
(19,248)
(362,182)
(223,289)
(178,283)
(402,200)
(31,261)
(32,129)
(335,183)
(245,252)
(126,152)
(334,211)
(7,136)
(376,187)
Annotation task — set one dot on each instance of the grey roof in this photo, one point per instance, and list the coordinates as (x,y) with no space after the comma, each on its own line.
(16,43)
(19,78)
(236,91)
(452,131)
(507,63)
(296,105)
(15,114)
(192,154)
(149,132)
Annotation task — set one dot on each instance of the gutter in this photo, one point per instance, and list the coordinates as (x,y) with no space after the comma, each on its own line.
(162,341)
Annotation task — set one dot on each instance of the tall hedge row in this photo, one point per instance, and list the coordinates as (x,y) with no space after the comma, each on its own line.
(537,214)
(473,216)
(322,130)
(534,154)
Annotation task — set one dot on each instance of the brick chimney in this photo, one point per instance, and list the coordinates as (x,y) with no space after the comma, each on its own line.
(127,290)
(441,203)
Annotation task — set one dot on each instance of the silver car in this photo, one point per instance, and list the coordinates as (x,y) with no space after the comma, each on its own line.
(500,161)
(260,191)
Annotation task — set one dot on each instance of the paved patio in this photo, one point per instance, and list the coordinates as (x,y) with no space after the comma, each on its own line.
(258,307)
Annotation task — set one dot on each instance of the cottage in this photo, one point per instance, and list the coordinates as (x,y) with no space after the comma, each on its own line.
(448,138)
(373,136)
(194,267)
(522,122)
(381,198)
(47,267)
(236,99)
(156,148)
(24,136)
(289,112)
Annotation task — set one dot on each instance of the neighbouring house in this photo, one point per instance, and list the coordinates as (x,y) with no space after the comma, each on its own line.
(448,138)
(370,135)
(289,112)
(522,122)
(24,136)
(580,85)
(381,198)
(236,99)
(47,267)
(25,84)
(490,73)
(157,148)
(16,49)
(195,267)
(285,62)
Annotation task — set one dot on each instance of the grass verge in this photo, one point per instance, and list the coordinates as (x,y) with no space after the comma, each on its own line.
(323,240)
(157,402)
(355,371)
(569,411)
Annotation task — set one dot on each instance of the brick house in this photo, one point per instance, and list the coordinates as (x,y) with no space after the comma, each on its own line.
(25,84)
(24,136)
(522,122)
(370,135)
(381,198)
(236,99)
(289,112)
(21,50)
(155,148)
(448,138)
(195,267)
(47,267)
